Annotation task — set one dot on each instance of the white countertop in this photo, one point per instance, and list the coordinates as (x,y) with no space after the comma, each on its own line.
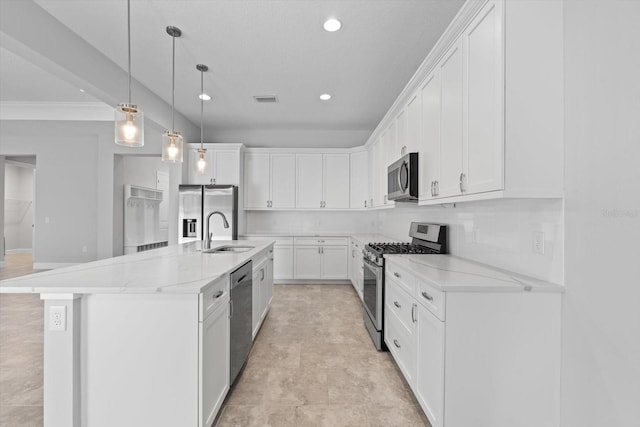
(453,274)
(182,269)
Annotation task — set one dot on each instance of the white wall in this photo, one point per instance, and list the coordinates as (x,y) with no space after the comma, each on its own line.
(19,181)
(75,185)
(601,318)
(141,171)
(505,232)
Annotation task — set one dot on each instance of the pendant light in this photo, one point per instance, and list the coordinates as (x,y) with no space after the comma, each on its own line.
(172,140)
(129,120)
(201,164)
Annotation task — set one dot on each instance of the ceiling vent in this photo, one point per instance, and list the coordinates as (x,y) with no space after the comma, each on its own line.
(265,98)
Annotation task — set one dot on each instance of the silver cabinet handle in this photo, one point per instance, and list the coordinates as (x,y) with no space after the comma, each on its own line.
(321,250)
(413,312)
(432,182)
(462,186)
(396,343)
(262,274)
(385,199)
(427,296)
(437,187)
(218,294)
(365,203)
(318,249)
(395,273)
(214,180)
(397,304)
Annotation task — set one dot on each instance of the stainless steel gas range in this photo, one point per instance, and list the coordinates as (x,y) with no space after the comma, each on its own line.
(426,239)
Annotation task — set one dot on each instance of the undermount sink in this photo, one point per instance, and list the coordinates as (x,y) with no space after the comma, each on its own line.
(228,249)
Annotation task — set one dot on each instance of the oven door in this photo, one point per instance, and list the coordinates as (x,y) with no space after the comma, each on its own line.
(373,284)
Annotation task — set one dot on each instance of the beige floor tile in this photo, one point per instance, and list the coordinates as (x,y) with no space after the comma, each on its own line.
(257,415)
(331,416)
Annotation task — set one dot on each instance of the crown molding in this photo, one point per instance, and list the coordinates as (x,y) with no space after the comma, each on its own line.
(69,111)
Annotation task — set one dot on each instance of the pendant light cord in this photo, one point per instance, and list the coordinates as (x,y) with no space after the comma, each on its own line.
(129,44)
(201,108)
(173,85)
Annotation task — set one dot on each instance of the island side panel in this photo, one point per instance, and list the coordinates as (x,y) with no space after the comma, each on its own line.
(140,360)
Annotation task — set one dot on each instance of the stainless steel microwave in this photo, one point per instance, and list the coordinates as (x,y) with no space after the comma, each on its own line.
(402,183)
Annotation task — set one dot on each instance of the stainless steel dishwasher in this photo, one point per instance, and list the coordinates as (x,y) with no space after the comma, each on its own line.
(240,315)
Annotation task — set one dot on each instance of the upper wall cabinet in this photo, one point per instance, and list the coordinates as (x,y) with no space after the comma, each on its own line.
(223,164)
(269,180)
(359,180)
(322,181)
(492,108)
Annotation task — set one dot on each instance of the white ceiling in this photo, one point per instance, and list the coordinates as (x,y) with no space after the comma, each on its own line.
(258,47)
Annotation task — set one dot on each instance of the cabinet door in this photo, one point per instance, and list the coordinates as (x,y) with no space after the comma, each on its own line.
(214,363)
(256,180)
(309,181)
(226,167)
(429,166)
(266,288)
(256,306)
(196,177)
(283,180)
(336,181)
(307,262)
(483,156)
(283,262)
(389,154)
(413,123)
(402,143)
(430,367)
(335,262)
(376,172)
(391,146)
(359,180)
(451,119)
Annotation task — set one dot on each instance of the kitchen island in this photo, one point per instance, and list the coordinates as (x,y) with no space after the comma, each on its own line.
(141,339)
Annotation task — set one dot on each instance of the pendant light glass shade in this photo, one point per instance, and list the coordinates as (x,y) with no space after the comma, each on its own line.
(129,120)
(129,128)
(201,163)
(172,143)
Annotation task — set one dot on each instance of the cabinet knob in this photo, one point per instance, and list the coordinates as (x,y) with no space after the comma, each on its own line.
(395,273)
(397,304)
(396,343)
(218,294)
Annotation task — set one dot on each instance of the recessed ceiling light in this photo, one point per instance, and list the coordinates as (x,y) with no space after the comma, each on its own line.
(325,97)
(332,24)
(204,97)
(82,90)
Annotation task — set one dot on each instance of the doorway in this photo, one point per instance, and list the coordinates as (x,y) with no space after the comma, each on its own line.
(19,210)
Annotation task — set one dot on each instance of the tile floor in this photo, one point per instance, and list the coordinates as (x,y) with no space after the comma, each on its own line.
(21,350)
(312,364)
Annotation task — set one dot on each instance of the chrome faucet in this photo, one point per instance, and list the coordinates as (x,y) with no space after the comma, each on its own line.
(207,240)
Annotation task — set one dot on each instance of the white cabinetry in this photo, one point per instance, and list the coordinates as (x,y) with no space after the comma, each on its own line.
(322,181)
(321,258)
(429,142)
(356,268)
(214,361)
(457,348)
(262,289)
(269,180)
(223,164)
(359,180)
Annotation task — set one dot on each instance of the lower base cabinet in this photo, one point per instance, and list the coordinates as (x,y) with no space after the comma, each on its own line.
(214,362)
(475,358)
(262,290)
(325,258)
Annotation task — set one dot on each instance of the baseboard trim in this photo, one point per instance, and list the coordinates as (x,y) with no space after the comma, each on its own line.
(52,265)
(19,251)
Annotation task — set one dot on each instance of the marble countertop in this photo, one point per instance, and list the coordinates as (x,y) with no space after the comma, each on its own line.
(453,274)
(362,238)
(180,269)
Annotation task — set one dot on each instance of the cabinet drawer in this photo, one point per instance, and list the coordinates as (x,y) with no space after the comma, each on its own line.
(402,276)
(213,295)
(402,346)
(432,298)
(315,241)
(400,303)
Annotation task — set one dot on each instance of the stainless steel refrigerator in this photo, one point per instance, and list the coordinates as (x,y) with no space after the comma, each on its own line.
(197,202)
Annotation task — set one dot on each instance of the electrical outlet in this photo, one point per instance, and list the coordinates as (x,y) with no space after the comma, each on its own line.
(538,242)
(58,318)
(476,235)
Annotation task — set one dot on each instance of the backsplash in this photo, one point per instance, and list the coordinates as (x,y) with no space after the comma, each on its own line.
(504,236)
(288,222)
